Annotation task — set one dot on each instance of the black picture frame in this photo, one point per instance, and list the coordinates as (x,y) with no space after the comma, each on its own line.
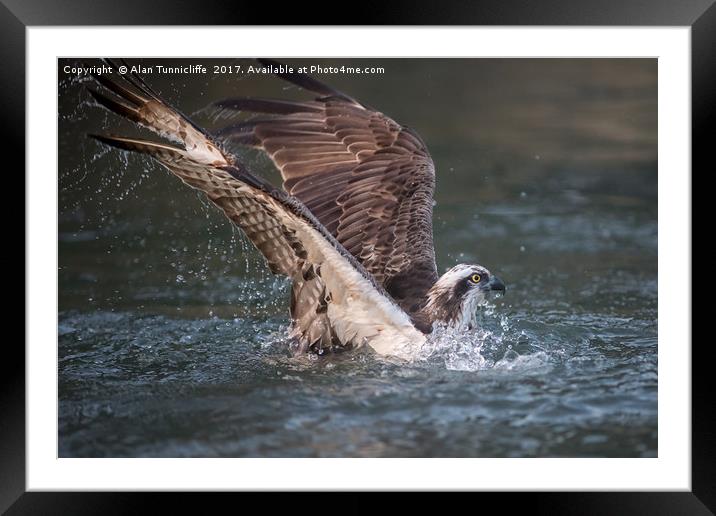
(700,15)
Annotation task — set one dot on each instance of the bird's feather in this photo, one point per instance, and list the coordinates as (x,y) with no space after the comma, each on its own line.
(369,180)
(334,299)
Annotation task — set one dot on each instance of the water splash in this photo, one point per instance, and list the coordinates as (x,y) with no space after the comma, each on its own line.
(488,346)
(459,350)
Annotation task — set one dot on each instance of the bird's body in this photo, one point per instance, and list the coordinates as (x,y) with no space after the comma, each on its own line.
(352,228)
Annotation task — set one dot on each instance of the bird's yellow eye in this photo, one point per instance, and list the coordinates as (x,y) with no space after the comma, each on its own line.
(475,278)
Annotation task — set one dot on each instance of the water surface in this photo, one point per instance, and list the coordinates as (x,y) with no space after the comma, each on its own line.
(172,334)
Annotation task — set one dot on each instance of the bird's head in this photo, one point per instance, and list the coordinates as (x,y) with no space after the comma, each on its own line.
(456,295)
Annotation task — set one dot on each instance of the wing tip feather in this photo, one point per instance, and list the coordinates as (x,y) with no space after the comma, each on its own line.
(304,81)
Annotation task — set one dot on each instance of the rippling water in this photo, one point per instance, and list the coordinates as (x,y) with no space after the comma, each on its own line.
(172,335)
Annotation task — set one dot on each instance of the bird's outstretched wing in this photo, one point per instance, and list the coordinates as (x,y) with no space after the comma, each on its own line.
(369,180)
(334,300)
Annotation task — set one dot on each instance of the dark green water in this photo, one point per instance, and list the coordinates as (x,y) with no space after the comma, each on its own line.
(172,335)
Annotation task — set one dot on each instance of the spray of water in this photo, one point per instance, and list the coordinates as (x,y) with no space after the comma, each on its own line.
(489,345)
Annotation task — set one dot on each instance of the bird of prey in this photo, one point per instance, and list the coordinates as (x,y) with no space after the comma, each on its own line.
(352,226)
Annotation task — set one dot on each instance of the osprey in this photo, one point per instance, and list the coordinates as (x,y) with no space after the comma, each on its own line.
(352,226)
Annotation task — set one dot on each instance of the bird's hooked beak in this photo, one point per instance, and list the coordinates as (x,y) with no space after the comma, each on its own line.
(495,283)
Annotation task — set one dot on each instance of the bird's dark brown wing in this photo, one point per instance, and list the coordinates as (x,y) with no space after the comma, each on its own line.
(333,297)
(369,180)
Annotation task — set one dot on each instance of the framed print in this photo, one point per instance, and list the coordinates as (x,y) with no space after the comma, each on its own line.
(296,258)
